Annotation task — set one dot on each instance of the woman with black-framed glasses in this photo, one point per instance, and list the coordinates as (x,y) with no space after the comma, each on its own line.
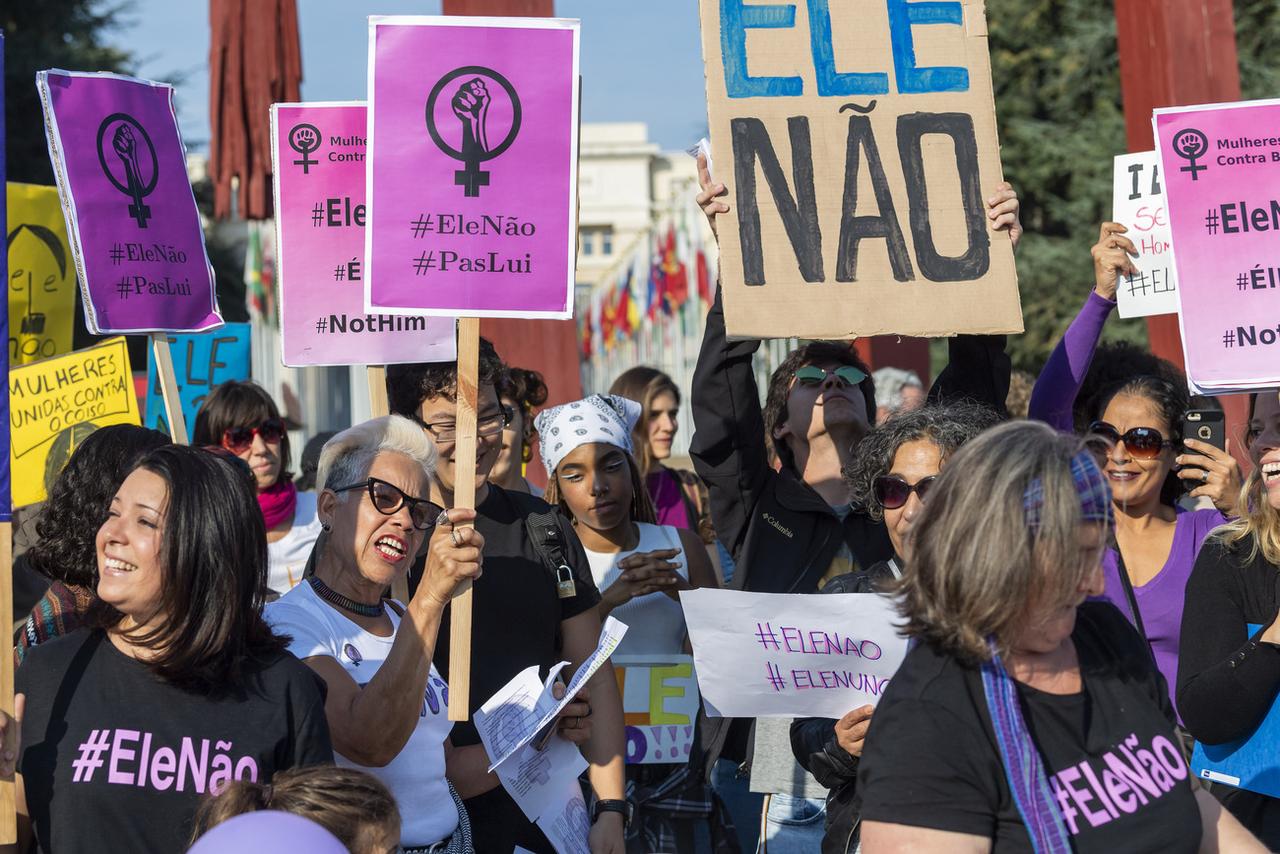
(890,476)
(387,704)
(240,417)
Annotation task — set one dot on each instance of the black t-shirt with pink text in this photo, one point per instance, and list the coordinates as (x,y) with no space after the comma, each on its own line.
(114,760)
(1115,770)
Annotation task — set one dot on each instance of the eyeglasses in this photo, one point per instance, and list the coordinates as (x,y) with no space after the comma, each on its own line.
(1143,443)
(237,439)
(814,375)
(489,424)
(388,499)
(892,492)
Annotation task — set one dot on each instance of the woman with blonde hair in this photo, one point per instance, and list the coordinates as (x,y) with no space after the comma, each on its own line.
(1025,718)
(352,805)
(1229,660)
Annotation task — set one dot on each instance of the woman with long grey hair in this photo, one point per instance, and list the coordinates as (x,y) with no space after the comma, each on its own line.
(1025,718)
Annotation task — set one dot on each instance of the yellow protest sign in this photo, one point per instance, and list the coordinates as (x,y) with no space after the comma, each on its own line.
(42,275)
(55,403)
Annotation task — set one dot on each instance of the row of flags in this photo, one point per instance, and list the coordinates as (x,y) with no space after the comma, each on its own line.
(667,268)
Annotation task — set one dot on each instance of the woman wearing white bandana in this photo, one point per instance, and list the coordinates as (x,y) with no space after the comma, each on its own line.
(639,567)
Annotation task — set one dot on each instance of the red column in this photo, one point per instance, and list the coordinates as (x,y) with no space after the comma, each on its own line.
(1173,53)
(547,346)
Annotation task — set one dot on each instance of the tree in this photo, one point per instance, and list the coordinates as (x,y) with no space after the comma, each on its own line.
(41,34)
(1057,88)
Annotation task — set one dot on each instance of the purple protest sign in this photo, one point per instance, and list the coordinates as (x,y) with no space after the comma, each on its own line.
(319,168)
(472,170)
(122,177)
(1221,173)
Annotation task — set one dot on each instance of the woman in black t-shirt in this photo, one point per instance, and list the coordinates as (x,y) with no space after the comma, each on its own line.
(1229,657)
(1025,719)
(180,688)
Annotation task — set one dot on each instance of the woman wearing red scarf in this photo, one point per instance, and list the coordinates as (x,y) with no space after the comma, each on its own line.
(242,417)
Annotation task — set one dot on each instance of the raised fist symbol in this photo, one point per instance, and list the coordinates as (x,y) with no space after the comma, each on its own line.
(304,139)
(471,106)
(125,146)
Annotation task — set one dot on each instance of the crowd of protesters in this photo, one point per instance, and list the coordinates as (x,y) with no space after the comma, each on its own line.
(1090,593)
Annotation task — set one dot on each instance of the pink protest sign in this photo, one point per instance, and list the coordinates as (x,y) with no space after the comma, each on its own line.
(1221,169)
(131,216)
(319,167)
(472,171)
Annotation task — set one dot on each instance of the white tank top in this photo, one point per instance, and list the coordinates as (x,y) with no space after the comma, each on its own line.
(655,622)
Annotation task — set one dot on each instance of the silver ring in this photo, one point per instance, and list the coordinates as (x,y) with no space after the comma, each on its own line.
(443,518)
(453,535)
(1205,477)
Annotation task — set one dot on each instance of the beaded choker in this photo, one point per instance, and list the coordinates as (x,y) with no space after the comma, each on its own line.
(334,598)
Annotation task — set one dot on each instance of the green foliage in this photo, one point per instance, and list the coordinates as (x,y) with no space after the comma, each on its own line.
(1057,85)
(42,34)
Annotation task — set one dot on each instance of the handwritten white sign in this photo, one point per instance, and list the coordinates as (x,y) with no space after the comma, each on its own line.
(791,655)
(1138,204)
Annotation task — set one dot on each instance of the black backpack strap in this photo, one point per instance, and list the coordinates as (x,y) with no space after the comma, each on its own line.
(1127,583)
(544,533)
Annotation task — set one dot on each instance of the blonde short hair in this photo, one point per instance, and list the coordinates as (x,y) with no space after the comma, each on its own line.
(348,456)
(977,566)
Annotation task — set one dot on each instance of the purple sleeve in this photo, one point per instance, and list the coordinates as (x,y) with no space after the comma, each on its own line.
(1055,391)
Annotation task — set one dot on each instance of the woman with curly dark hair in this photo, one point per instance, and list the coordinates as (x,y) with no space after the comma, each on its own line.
(520,391)
(75,509)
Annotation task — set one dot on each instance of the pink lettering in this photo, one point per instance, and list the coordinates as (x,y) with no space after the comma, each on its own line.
(1087,770)
(1081,796)
(789,633)
(222,767)
(1133,773)
(247,769)
(187,764)
(1170,757)
(146,754)
(807,679)
(868,647)
(163,765)
(818,643)
(1122,794)
(121,753)
(1064,804)
(1161,776)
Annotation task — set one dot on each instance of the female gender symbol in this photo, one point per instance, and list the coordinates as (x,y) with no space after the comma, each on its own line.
(124,144)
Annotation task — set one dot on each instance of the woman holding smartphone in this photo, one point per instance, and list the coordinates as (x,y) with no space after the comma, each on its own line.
(1137,424)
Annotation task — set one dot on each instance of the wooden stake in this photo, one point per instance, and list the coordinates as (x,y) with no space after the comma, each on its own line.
(378,407)
(169,388)
(8,804)
(464,496)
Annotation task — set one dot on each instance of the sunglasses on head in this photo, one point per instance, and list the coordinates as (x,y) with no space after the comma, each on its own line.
(388,499)
(814,375)
(238,438)
(1142,443)
(892,492)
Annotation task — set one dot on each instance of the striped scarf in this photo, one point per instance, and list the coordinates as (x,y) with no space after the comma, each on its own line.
(1022,766)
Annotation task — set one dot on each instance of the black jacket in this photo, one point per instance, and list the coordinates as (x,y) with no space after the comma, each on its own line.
(813,740)
(781,533)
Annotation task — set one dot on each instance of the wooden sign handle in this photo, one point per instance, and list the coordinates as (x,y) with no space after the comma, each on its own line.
(464,496)
(169,388)
(378,407)
(8,802)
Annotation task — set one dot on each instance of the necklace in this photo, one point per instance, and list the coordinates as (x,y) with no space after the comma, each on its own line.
(331,596)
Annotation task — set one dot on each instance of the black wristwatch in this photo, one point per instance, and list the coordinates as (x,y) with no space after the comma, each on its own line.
(621,807)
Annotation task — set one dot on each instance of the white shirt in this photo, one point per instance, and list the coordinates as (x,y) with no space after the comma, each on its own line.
(416,776)
(287,556)
(655,622)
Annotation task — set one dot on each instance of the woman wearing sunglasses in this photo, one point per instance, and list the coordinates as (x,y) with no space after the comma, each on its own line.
(894,469)
(1136,424)
(241,417)
(386,704)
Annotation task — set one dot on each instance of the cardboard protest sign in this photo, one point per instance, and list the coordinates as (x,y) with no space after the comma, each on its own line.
(1138,204)
(122,176)
(659,706)
(55,403)
(1221,169)
(42,275)
(858,150)
(791,655)
(319,168)
(200,362)
(472,168)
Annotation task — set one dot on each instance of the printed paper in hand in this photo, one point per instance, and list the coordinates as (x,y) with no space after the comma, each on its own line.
(568,827)
(1138,204)
(791,655)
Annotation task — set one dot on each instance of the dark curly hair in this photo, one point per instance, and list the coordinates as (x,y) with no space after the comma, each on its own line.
(527,388)
(1115,363)
(79,499)
(947,425)
(775,405)
(239,403)
(1171,400)
(409,385)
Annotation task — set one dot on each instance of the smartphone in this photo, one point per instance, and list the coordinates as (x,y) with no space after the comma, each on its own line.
(1206,425)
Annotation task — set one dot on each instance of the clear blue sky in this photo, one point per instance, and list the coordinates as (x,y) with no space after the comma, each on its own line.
(641,59)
